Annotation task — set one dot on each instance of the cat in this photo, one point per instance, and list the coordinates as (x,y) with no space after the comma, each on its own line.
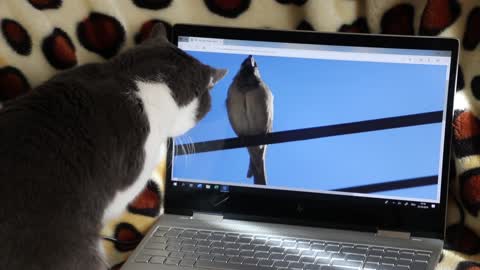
(78,148)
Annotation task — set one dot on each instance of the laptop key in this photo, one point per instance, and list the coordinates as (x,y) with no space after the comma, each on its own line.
(232,252)
(376,253)
(332,248)
(217,251)
(247,247)
(292,258)
(292,251)
(296,265)
(323,254)
(247,253)
(251,261)
(155,252)
(355,257)
(274,243)
(277,257)
(142,258)
(175,254)
(303,246)
(371,266)
(358,251)
(421,258)
(191,256)
(218,265)
(418,266)
(373,260)
(389,261)
(220,258)
(312,267)
(171,261)
(277,250)
(188,248)
(404,262)
(232,246)
(318,247)
(217,245)
(401,267)
(307,259)
(157,259)
(229,239)
(308,253)
(322,261)
(160,240)
(203,250)
(259,242)
(155,246)
(204,243)
(187,262)
(244,241)
(206,257)
(235,260)
(266,262)
(353,264)
(262,248)
(261,255)
(173,247)
(386,267)
(280,264)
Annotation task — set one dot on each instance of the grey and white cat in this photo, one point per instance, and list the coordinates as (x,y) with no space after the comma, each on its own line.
(81,146)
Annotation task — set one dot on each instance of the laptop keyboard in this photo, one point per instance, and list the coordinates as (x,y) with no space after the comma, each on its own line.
(226,250)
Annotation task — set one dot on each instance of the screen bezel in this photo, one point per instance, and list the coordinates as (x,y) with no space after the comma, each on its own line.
(313,209)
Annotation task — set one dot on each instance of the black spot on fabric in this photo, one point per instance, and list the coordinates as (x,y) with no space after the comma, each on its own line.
(438,15)
(146,28)
(295,2)
(16,36)
(59,50)
(101,34)
(460,79)
(468,265)
(398,20)
(463,239)
(475,85)
(305,25)
(126,234)
(360,25)
(152,4)
(228,8)
(46,4)
(12,83)
(471,37)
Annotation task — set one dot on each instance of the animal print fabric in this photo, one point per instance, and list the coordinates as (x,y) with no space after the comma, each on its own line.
(40,38)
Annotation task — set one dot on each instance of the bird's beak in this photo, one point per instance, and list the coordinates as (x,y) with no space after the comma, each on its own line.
(252,61)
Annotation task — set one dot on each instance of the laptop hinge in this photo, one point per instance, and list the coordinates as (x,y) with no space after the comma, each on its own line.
(207,216)
(393,234)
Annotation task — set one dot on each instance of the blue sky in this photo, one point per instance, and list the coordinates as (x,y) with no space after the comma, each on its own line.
(310,93)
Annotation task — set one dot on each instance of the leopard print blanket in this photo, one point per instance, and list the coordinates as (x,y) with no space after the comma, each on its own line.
(40,38)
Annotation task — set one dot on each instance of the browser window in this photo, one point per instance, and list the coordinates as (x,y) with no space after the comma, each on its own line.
(353,121)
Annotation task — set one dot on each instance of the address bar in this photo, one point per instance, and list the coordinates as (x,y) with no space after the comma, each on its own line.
(318,54)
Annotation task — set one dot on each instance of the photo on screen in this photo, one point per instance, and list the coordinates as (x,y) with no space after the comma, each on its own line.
(319,125)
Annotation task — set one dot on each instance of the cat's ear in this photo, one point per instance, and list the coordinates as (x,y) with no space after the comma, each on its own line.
(215,76)
(159,32)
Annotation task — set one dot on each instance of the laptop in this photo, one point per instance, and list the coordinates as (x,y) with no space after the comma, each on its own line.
(321,151)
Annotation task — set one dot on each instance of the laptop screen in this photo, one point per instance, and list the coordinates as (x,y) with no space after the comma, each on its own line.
(322,119)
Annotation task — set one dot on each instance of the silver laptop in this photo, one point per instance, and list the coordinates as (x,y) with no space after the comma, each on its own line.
(321,151)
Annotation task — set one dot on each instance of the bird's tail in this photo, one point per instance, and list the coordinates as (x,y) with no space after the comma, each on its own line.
(256,167)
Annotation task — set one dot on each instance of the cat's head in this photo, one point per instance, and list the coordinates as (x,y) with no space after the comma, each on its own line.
(157,62)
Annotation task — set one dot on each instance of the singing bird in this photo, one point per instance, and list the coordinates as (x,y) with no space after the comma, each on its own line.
(250,111)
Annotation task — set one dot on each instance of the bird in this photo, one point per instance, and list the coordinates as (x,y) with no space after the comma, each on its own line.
(250,112)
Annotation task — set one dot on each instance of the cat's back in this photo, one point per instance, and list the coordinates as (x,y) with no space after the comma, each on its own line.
(53,142)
